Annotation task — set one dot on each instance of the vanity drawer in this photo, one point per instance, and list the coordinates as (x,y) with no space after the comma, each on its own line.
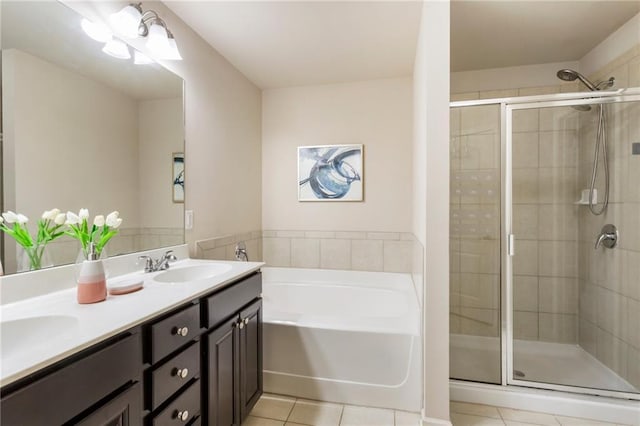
(183,409)
(225,303)
(175,373)
(173,332)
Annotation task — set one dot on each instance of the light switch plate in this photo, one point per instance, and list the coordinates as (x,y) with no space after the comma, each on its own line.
(188,219)
(635,148)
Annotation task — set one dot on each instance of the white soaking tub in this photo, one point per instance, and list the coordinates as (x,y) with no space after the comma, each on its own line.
(343,336)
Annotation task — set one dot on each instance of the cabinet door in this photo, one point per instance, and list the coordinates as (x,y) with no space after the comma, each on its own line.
(222,365)
(123,410)
(250,357)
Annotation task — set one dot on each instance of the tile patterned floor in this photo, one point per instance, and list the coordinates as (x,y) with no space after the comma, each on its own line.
(276,410)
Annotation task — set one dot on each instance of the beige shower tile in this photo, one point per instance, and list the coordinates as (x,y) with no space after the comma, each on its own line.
(543,90)
(559,118)
(558,149)
(454,121)
(480,256)
(479,322)
(305,253)
(558,222)
(525,221)
(367,255)
(496,94)
(335,254)
(557,185)
(612,312)
(558,258)
(525,186)
(559,328)
(588,335)
(633,366)
(633,323)
(588,302)
(525,325)
(479,290)
(525,260)
(482,152)
(468,96)
(398,256)
(525,150)
(525,293)
(612,352)
(480,119)
(525,120)
(558,295)
(630,274)
(634,72)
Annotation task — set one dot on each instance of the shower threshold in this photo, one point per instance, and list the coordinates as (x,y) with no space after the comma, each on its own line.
(477,358)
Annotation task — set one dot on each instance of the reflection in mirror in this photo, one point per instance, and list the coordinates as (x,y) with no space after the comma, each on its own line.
(81,129)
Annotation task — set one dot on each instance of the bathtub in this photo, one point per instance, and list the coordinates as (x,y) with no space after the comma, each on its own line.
(345,336)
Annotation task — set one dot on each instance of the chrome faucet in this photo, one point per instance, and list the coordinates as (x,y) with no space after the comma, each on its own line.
(161,264)
(241,252)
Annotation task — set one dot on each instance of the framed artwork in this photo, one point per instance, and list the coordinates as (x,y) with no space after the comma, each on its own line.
(177,164)
(330,173)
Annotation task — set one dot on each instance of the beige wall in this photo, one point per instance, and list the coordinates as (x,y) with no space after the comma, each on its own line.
(374,113)
(431,201)
(222,131)
(160,130)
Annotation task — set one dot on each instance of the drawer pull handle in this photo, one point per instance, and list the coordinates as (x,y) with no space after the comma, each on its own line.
(181,331)
(182,415)
(181,373)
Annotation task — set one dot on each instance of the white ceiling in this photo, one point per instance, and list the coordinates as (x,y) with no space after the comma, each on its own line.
(280,43)
(494,34)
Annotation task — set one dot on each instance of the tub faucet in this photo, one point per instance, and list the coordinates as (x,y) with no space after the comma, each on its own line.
(241,252)
(161,264)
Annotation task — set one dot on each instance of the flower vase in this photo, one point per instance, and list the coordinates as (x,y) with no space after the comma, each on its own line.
(33,258)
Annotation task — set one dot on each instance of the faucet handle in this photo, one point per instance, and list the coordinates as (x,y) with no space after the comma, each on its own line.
(148,265)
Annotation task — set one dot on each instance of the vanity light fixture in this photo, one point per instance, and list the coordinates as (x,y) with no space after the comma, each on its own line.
(117,49)
(96,31)
(140,58)
(133,22)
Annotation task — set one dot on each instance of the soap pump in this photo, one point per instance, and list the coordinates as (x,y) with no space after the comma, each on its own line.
(92,284)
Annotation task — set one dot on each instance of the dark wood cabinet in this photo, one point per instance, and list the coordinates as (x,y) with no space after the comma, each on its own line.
(200,363)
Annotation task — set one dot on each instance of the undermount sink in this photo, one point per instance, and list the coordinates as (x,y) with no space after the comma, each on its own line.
(15,335)
(192,273)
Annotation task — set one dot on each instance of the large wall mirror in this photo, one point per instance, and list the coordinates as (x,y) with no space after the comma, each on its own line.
(82,129)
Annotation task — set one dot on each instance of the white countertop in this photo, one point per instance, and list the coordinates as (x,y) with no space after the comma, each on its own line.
(99,321)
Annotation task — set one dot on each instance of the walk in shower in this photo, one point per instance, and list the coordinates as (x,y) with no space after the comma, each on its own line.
(544,293)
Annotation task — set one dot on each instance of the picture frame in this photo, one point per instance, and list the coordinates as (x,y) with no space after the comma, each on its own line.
(331,172)
(177,169)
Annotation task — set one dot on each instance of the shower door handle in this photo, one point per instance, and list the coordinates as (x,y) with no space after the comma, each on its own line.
(511,245)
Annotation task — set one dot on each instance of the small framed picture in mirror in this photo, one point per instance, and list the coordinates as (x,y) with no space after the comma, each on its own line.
(177,161)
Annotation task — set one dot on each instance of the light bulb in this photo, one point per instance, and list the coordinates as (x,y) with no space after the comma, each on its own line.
(96,31)
(127,21)
(117,49)
(140,58)
(158,41)
(173,53)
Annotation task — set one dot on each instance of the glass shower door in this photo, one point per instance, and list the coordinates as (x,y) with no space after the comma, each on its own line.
(475,244)
(575,307)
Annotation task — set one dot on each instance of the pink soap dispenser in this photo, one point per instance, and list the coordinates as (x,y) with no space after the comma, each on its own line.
(92,284)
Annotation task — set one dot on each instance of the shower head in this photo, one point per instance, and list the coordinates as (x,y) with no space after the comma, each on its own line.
(571,75)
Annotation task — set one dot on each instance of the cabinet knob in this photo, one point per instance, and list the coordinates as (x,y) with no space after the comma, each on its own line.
(182,331)
(182,415)
(241,324)
(181,373)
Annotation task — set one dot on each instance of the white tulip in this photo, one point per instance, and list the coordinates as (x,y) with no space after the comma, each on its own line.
(60,219)
(98,221)
(50,214)
(1,220)
(117,224)
(112,218)
(10,216)
(22,219)
(46,215)
(72,219)
(83,214)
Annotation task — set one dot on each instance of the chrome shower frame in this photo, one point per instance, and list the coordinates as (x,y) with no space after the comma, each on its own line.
(507,238)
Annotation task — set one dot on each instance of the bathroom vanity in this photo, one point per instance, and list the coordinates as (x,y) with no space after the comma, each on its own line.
(195,361)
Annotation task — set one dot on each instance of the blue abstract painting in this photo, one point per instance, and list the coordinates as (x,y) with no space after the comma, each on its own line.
(330,173)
